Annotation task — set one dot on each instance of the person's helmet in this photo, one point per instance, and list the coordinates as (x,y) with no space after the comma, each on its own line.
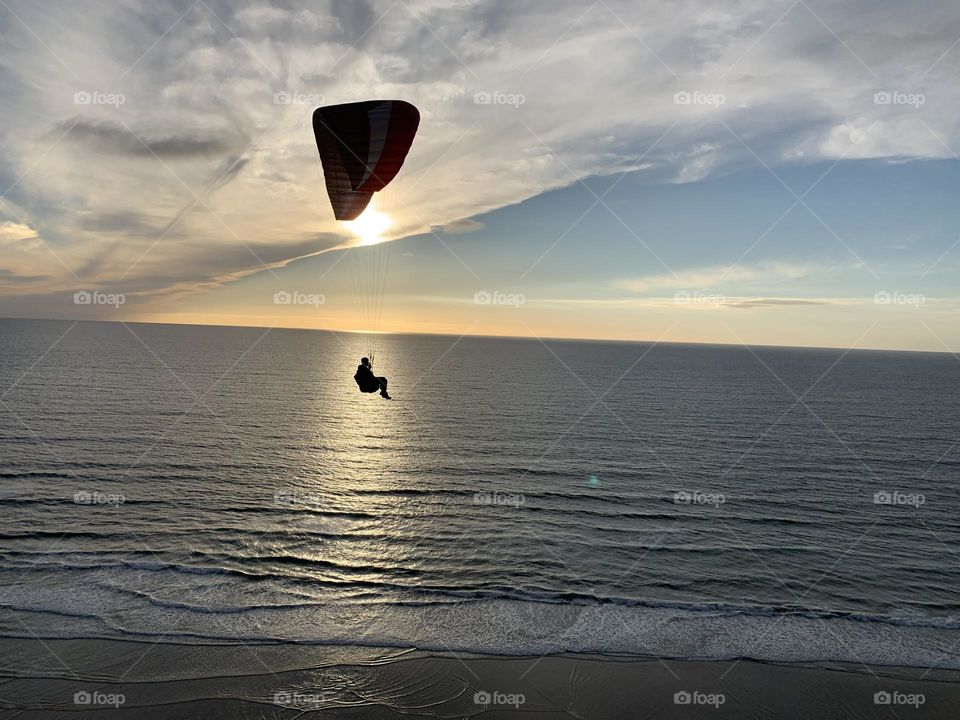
(364,361)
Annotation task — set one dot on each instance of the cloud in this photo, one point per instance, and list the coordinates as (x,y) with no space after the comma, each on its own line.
(750,303)
(13,232)
(725,275)
(17,238)
(686,302)
(8,277)
(23,257)
(864,138)
(516,99)
(699,163)
(105,137)
(461,227)
(119,221)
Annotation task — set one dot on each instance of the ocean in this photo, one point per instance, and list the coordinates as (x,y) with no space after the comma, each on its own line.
(213,485)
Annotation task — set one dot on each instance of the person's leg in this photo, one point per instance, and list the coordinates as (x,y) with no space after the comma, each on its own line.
(383,385)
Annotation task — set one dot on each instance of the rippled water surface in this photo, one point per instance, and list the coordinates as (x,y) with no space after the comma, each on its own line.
(517,496)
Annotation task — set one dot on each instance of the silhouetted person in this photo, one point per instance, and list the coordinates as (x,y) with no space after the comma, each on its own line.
(368,382)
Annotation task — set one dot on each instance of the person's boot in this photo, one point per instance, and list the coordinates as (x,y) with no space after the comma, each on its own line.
(383,394)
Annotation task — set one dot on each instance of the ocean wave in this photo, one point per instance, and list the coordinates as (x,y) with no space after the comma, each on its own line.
(717,609)
(510,627)
(425,597)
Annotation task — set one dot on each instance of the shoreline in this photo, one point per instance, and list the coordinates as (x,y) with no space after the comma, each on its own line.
(111,678)
(518,628)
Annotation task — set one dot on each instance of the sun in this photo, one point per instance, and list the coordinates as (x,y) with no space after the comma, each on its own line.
(370,226)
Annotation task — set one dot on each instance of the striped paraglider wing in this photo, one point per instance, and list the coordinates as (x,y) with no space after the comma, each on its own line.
(362,147)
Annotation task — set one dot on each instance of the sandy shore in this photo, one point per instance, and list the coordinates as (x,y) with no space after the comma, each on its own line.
(111,679)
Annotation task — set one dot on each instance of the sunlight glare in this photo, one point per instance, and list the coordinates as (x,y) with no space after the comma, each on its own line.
(370,226)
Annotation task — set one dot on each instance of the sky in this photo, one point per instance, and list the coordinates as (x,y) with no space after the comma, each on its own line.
(779,173)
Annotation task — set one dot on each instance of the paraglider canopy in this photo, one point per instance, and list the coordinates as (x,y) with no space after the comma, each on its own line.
(362,147)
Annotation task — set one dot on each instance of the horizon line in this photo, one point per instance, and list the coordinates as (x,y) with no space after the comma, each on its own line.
(535,338)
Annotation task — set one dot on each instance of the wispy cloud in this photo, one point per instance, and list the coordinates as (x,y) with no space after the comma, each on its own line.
(749,303)
(461,227)
(726,275)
